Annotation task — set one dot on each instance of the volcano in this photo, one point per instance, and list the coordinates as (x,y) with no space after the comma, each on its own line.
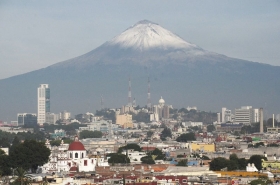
(182,72)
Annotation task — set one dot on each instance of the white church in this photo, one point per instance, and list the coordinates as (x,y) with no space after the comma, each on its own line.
(71,158)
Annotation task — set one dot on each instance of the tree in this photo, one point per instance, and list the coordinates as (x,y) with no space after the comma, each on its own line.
(218,163)
(29,155)
(5,166)
(165,133)
(22,177)
(148,160)
(118,158)
(186,137)
(183,162)
(158,153)
(211,128)
(133,146)
(257,160)
(261,181)
(150,133)
(90,134)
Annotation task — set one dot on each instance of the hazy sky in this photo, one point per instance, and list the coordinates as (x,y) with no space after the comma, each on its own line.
(35,34)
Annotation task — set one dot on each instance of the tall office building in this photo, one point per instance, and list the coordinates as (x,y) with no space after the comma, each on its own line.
(27,119)
(246,115)
(43,103)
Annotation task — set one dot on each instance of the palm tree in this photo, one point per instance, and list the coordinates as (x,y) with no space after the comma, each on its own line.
(22,178)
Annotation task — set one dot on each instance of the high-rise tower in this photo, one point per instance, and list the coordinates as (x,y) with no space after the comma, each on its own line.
(43,103)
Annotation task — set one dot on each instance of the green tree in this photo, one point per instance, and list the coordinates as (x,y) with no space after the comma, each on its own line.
(55,142)
(158,153)
(148,160)
(90,134)
(29,155)
(133,146)
(186,137)
(150,133)
(5,166)
(257,160)
(183,162)
(165,133)
(211,128)
(22,178)
(118,158)
(218,163)
(261,181)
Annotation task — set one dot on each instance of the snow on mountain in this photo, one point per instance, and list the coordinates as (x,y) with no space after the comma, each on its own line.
(146,35)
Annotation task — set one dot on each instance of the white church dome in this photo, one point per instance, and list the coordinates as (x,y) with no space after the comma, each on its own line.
(161,101)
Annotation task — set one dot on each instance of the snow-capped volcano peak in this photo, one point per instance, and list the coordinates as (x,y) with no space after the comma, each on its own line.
(146,35)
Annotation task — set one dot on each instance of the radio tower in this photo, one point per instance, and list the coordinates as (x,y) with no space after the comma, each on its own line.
(149,104)
(129,93)
(102,102)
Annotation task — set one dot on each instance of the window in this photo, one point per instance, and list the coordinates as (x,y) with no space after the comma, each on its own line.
(85,162)
(184,180)
(82,155)
(76,155)
(71,156)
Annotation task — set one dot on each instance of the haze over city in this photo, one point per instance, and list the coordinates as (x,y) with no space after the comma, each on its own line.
(36,34)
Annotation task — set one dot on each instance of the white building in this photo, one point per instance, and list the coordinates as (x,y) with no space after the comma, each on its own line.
(134,156)
(51,118)
(64,115)
(71,158)
(43,106)
(246,115)
(192,124)
(105,126)
(226,115)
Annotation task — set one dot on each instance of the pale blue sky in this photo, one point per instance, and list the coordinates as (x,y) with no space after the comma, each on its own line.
(35,34)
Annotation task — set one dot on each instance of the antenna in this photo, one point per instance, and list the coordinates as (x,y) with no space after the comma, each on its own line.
(149,95)
(102,102)
(129,92)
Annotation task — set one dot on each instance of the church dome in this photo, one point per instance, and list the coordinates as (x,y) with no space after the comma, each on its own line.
(76,145)
(161,101)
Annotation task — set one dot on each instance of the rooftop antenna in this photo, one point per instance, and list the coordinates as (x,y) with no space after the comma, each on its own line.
(102,102)
(149,95)
(129,92)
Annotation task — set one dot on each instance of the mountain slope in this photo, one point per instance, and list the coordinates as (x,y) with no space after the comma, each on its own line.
(183,73)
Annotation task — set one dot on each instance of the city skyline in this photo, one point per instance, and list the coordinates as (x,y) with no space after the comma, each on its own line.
(44,36)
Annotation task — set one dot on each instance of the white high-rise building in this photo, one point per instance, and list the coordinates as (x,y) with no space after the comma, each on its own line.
(246,115)
(43,94)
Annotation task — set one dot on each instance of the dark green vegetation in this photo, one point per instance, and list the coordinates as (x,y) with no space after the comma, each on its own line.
(28,155)
(133,146)
(186,137)
(70,129)
(165,133)
(194,115)
(118,158)
(90,134)
(261,181)
(235,163)
(183,162)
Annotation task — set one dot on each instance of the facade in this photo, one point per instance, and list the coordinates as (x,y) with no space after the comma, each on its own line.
(246,115)
(102,126)
(160,111)
(226,115)
(64,115)
(51,118)
(43,106)
(202,147)
(71,158)
(29,119)
(124,120)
